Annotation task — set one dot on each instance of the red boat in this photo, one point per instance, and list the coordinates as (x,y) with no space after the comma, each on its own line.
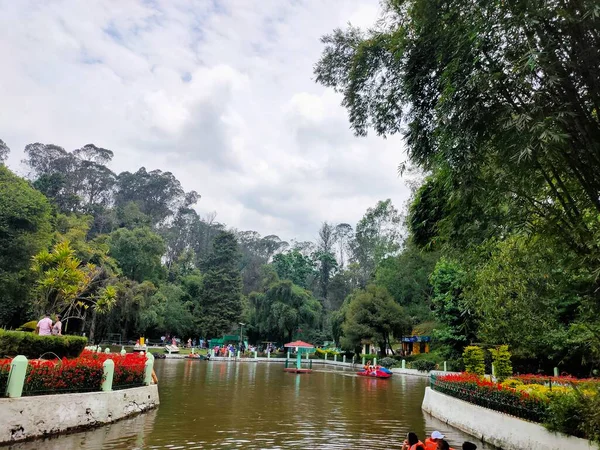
(378,373)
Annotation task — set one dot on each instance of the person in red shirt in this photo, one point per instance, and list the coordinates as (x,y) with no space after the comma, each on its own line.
(412,442)
(431,443)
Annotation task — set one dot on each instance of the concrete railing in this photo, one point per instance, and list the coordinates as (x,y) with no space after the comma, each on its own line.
(18,373)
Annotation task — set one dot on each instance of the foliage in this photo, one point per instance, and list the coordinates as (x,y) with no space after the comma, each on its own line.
(66,285)
(474,389)
(423,365)
(474,359)
(450,308)
(13,343)
(24,231)
(220,304)
(372,314)
(566,414)
(406,277)
(501,360)
(138,253)
(82,374)
(387,362)
(283,310)
(296,267)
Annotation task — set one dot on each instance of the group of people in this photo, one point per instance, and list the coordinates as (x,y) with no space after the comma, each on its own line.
(46,327)
(435,442)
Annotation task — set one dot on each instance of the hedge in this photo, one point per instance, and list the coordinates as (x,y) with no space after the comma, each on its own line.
(33,346)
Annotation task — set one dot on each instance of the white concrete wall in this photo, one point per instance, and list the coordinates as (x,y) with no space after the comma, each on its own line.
(29,417)
(501,430)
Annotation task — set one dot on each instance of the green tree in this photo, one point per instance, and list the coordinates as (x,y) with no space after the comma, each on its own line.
(25,229)
(4,151)
(65,285)
(376,237)
(458,320)
(406,277)
(372,314)
(296,267)
(221,299)
(283,310)
(515,124)
(138,253)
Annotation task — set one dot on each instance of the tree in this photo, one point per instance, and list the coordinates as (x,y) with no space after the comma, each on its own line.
(24,231)
(221,299)
(377,236)
(406,277)
(372,314)
(512,123)
(296,267)
(138,253)
(326,262)
(283,310)
(65,285)
(4,151)
(343,235)
(459,321)
(158,194)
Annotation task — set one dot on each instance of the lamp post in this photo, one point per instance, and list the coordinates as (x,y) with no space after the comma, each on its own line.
(241,333)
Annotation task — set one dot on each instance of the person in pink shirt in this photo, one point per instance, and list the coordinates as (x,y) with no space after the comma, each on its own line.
(44,326)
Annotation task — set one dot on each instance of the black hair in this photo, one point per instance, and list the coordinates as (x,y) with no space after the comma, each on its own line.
(443,445)
(412,438)
(469,446)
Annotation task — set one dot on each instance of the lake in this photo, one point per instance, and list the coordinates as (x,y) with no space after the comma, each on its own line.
(259,406)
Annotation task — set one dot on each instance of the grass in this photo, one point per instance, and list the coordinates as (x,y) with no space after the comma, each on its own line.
(182,351)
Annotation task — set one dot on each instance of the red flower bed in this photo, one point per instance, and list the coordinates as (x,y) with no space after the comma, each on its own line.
(488,394)
(4,370)
(82,374)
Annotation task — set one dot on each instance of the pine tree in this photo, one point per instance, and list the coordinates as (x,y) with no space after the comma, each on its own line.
(221,298)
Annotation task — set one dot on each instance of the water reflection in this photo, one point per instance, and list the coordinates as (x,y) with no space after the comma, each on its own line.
(248,405)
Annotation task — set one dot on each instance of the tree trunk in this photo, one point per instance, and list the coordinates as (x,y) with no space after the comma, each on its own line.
(93,327)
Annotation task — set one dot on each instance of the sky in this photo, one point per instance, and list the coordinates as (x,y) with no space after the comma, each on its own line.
(221,93)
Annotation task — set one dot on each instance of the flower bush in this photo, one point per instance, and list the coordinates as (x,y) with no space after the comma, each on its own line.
(475,389)
(564,404)
(82,374)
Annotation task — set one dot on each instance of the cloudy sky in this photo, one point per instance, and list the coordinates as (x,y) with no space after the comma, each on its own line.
(220,93)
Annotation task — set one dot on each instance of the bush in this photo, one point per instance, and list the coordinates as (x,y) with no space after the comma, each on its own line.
(387,362)
(502,365)
(423,365)
(565,414)
(368,356)
(33,346)
(474,359)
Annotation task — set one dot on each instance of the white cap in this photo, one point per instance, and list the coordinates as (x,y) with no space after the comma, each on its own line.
(437,435)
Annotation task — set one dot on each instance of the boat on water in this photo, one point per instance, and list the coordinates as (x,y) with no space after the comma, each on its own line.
(171,349)
(380,372)
(198,357)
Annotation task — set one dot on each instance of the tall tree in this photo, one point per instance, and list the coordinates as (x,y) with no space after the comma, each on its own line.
(138,253)
(221,299)
(324,256)
(24,231)
(377,236)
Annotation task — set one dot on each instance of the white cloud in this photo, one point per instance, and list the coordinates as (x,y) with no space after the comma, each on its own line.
(223,96)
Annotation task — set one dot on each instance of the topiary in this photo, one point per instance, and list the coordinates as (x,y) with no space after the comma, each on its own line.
(32,346)
(502,364)
(474,360)
(387,362)
(424,365)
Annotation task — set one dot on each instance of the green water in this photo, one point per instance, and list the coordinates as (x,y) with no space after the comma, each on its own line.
(252,406)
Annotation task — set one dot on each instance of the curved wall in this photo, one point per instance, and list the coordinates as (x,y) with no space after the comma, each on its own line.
(501,430)
(42,415)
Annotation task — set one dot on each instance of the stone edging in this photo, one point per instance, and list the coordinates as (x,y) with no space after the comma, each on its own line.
(501,430)
(42,415)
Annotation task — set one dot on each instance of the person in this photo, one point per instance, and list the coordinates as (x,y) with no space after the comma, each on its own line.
(368,367)
(57,327)
(189,343)
(443,445)
(412,442)
(468,446)
(44,326)
(431,443)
